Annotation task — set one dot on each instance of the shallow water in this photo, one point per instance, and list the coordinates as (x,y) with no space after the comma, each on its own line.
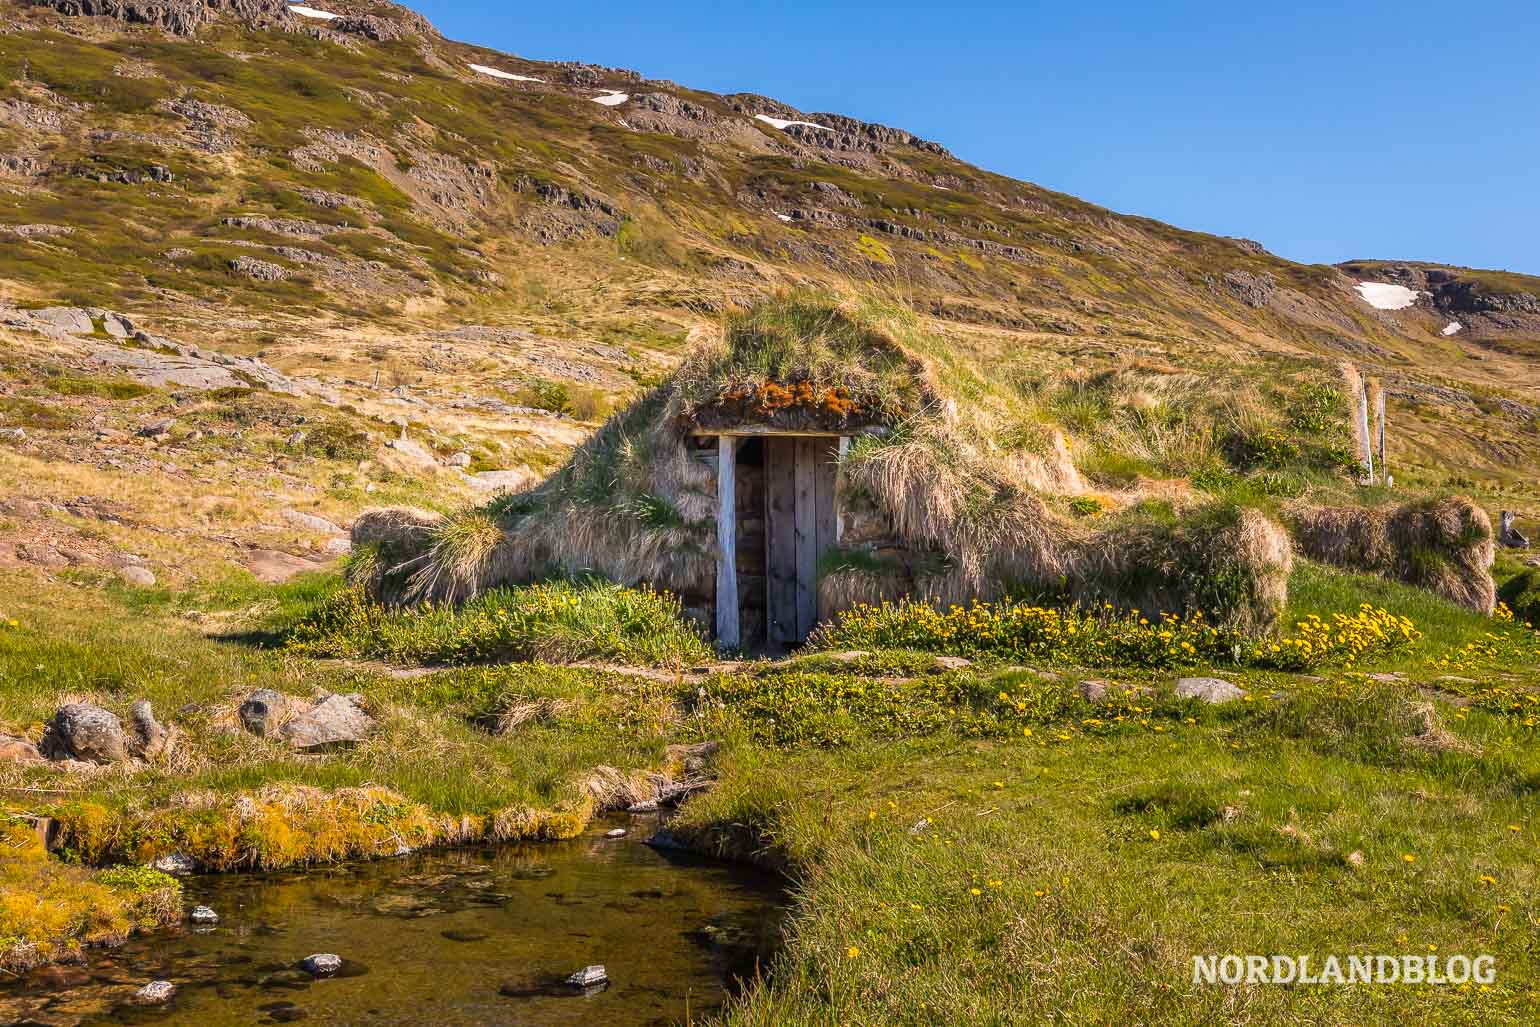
(473,936)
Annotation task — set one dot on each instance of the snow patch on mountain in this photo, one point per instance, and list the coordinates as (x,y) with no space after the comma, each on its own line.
(612,99)
(1384,296)
(783,124)
(1452,328)
(498,73)
(311,12)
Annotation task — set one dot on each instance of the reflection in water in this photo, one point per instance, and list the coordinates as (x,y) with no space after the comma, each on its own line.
(474,936)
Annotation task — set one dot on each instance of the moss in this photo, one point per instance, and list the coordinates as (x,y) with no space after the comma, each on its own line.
(98,388)
(50,910)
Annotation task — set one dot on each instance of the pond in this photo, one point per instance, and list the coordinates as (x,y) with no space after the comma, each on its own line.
(468,936)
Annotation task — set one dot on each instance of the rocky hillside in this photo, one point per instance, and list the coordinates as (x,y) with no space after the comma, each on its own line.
(487,253)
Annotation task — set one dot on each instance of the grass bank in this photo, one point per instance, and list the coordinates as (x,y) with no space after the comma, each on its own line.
(1031,835)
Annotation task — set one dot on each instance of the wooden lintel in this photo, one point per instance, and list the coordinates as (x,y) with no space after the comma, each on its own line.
(754,431)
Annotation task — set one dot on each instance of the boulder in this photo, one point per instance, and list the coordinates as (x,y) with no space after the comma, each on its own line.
(322,964)
(155,993)
(337,720)
(945,663)
(263,711)
(203,915)
(1093,690)
(137,576)
(117,326)
(148,738)
(274,567)
(310,522)
(1214,691)
(461,459)
(71,320)
(18,750)
(80,731)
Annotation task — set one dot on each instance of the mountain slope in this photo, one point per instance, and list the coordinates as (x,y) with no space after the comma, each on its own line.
(313,189)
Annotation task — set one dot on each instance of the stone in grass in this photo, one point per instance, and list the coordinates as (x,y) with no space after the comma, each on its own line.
(137,576)
(203,915)
(155,993)
(80,731)
(336,720)
(321,964)
(945,663)
(589,977)
(262,712)
(1214,691)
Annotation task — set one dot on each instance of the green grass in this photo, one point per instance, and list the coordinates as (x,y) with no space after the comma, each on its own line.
(557,621)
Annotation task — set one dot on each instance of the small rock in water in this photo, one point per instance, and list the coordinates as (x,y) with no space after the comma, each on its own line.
(664,839)
(619,832)
(589,977)
(176,864)
(322,964)
(203,915)
(154,993)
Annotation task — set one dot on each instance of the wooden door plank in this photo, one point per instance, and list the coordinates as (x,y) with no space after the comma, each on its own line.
(780,540)
(825,472)
(727,544)
(807,537)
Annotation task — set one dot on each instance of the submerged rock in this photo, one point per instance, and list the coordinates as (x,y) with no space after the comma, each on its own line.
(321,964)
(80,731)
(337,720)
(155,993)
(589,977)
(203,915)
(175,864)
(619,832)
(1214,691)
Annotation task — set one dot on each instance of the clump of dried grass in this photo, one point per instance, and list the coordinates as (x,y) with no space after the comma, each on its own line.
(1444,545)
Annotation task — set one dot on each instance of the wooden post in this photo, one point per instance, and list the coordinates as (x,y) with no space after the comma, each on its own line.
(727,542)
(1363,433)
(1379,420)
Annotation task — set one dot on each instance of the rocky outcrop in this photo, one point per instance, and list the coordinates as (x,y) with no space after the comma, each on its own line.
(179,17)
(1252,290)
(261,270)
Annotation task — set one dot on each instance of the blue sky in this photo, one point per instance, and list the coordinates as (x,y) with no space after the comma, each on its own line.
(1324,130)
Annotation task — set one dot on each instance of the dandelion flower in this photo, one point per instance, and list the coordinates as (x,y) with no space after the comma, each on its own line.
(1488,879)
(974,891)
(1409,858)
(1154,834)
(852,952)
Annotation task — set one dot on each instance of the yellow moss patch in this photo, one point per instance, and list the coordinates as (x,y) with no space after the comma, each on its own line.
(50,910)
(291,825)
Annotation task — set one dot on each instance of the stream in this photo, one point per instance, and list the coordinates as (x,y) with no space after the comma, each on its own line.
(464,936)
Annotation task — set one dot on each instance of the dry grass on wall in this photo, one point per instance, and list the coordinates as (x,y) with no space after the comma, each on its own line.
(1443,545)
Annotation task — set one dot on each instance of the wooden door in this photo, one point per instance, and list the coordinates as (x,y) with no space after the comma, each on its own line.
(800,477)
